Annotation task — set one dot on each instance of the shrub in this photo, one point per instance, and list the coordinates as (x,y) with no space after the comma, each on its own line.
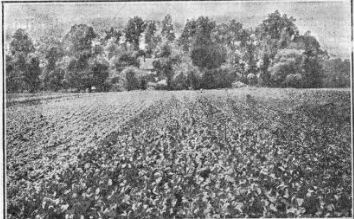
(194,78)
(53,80)
(293,80)
(161,85)
(131,79)
(281,70)
(251,79)
(180,82)
(186,75)
(143,80)
(287,61)
(117,87)
(124,60)
(238,84)
(151,85)
(336,73)
(135,78)
(208,56)
(312,71)
(218,78)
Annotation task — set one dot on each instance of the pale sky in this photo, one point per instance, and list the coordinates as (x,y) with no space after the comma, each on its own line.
(328,21)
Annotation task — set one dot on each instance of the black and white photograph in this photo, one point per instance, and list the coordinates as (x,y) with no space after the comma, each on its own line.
(177,109)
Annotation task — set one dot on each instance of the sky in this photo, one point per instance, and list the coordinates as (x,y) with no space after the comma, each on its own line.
(328,21)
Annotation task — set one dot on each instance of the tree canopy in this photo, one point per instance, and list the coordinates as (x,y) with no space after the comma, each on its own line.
(200,54)
(135,27)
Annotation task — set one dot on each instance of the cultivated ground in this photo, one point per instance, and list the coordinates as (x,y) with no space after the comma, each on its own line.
(251,152)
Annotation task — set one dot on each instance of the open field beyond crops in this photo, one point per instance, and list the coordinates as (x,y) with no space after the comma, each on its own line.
(217,153)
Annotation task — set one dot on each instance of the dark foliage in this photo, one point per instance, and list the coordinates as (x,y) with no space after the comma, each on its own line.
(71,62)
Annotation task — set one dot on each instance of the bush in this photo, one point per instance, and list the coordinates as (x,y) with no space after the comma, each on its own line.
(286,62)
(208,56)
(186,75)
(135,79)
(151,85)
(251,79)
(117,87)
(125,60)
(180,82)
(281,70)
(143,80)
(336,73)
(218,78)
(53,80)
(238,84)
(293,80)
(160,85)
(312,72)
(131,80)
(194,77)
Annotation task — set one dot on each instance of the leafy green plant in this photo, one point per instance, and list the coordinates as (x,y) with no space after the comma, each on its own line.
(183,154)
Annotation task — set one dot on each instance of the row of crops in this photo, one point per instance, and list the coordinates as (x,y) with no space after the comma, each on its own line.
(193,155)
(43,139)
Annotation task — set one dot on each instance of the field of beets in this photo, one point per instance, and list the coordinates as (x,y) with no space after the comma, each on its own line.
(158,154)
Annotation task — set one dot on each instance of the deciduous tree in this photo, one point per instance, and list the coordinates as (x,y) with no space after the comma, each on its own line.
(167,28)
(151,39)
(134,29)
(22,64)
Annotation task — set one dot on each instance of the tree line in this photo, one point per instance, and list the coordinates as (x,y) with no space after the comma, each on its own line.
(205,54)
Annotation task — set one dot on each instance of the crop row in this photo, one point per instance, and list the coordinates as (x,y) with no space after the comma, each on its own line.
(206,155)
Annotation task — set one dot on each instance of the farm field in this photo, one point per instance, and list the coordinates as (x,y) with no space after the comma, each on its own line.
(250,152)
